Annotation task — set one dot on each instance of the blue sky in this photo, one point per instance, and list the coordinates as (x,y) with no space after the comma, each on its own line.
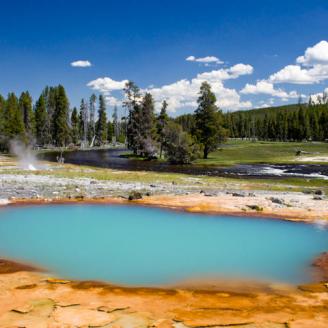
(148,42)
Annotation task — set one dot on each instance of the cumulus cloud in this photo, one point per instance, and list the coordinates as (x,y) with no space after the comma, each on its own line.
(319,97)
(205,60)
(184,93)
(310,68)
(295,74)
(113,101)
(81,63)
(106,85)
(226,73)
(316,54)
(267,88)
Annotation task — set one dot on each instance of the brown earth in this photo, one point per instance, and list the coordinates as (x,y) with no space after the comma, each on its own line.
(30,299)
(321,262)
(306,210)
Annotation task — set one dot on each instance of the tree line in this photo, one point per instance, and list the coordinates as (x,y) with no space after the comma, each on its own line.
(50,122)
(301,122)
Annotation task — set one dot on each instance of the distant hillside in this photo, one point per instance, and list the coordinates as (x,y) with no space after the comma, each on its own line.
(269,110)
(294,122)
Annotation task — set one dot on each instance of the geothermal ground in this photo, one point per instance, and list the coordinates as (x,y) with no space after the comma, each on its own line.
(32,299)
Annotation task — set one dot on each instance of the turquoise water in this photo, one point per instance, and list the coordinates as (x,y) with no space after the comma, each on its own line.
(148,246)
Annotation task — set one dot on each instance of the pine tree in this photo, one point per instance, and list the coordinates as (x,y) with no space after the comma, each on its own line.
(50,94)
(41,119)
(323,122)
(2,123)
(132,104)
(303,124)
(13,119)
(147,126)
(92,109)
(162,121)
(75,131)
(101,126)
(2,109)
(209,130)
(116,124)
(61,131)
(25,104)
(110,131)
(83,121)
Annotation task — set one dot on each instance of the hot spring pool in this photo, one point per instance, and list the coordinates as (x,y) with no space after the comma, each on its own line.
(147,246)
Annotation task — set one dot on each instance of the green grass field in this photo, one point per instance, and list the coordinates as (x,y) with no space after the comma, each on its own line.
(248,152)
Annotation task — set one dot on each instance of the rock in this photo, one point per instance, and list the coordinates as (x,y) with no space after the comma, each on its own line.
(210,194)
(255,208)
(251,194)
(236,194)
(318,192)
(152,186)
(277,200)
(317,198)
(135,195)
(321,263)
(28,286)
(314,288)
(110,310)
(93,182)
(57,281)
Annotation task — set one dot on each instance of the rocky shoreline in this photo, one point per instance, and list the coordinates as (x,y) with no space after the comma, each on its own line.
(193,194)
(295,207)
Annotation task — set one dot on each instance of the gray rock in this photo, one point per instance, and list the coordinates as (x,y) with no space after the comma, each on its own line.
(135,195)
(236,194)
(210,194)
(277,200)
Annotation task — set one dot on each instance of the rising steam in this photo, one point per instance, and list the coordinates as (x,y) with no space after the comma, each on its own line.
(26,158)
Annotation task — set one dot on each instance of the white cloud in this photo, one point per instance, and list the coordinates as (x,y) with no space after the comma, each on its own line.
(112,101)
(226,73)
(81,63)
(106,85)
(184,93)
(316,54)
(205,60)
(311,68)
(297,75)
(317,97)
(267,88)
